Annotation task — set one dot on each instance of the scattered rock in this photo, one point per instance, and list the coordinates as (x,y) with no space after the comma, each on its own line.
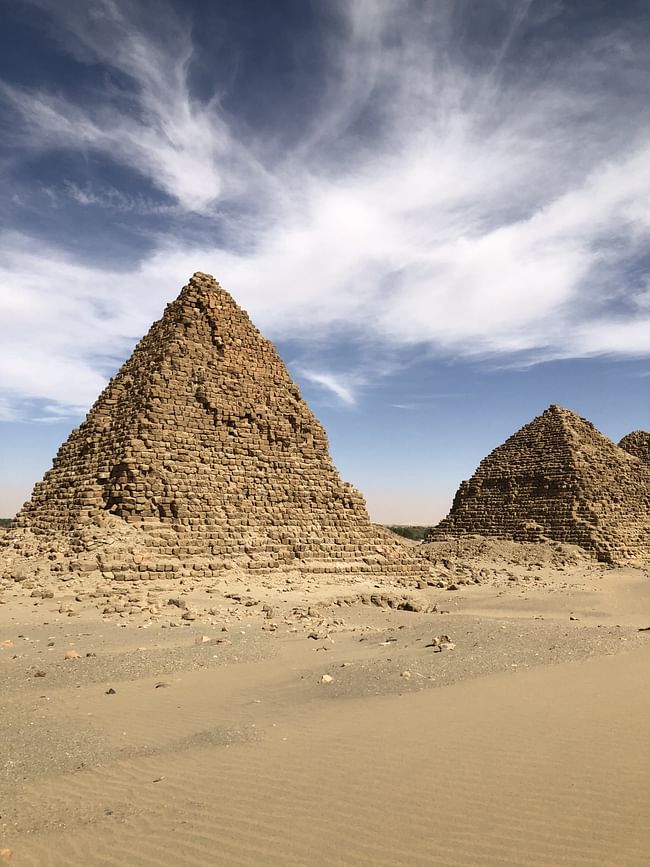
(162,684)
(202,639)
(6,854)
(326,678)
(72,654)
(412,605)
(6,645)
(111,691)
(39,673)
(406,675)
(179,603)
(440,643)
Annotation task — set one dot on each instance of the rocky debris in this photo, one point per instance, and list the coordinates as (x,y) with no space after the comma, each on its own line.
(473,559)
(200,459)
(179,603)
(396,601)
(440,643)
(557,478)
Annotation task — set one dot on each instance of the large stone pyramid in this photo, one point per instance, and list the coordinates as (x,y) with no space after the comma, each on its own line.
(560,478)
(637,443)
(201,454)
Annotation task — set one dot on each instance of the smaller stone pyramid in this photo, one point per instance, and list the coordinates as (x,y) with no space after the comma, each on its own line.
(558,478)
(201,455)
(637,443)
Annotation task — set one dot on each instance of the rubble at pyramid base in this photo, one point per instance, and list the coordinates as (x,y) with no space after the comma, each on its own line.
(111,550)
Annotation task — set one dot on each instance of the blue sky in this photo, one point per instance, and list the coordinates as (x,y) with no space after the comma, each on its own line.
(439,211)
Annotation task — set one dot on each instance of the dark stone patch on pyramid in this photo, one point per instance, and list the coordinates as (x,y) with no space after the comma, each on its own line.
(637,443)
(559,478)
(203,444)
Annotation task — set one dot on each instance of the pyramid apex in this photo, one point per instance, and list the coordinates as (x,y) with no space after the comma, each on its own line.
(202,277)
(206,289)
(202,282)
(567,415)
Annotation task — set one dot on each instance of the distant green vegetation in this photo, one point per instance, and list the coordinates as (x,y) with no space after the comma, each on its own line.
(410,532)
(5,523)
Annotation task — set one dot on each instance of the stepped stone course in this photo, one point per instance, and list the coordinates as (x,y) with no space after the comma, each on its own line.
(637,443)
(201,455)
(558,478)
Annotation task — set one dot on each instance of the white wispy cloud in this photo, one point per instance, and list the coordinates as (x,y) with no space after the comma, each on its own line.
(338,385)
(110,198)
(183,145)
(487,213)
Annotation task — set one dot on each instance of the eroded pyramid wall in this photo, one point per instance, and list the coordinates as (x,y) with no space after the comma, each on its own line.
(203,443)
(557,477)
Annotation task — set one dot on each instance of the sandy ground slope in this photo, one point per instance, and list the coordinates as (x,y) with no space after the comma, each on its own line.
(524,744)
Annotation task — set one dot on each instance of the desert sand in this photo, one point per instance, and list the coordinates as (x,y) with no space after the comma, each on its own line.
(501,723)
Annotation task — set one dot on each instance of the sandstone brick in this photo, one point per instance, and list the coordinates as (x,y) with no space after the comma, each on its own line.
(560,478)
(202,445)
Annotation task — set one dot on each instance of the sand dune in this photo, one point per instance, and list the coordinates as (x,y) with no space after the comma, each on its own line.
(257,762)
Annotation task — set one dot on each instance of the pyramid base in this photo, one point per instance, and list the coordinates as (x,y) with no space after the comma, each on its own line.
(111,550)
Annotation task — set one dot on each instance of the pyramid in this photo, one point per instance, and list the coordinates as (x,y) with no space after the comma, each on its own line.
(557,477)
(201,454)
(637,443)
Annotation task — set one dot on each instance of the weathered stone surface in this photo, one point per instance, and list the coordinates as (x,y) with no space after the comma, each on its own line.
(637,443)
(559,478)
(201,455)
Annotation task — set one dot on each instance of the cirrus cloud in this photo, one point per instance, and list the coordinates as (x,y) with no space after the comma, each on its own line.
(461,196)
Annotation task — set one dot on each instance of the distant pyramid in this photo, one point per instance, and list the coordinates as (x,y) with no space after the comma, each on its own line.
(202,450)
(557,477)
(637,443)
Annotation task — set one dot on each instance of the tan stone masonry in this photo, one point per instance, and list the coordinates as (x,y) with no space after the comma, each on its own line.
(560,478)
(637,443)
(201,454)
